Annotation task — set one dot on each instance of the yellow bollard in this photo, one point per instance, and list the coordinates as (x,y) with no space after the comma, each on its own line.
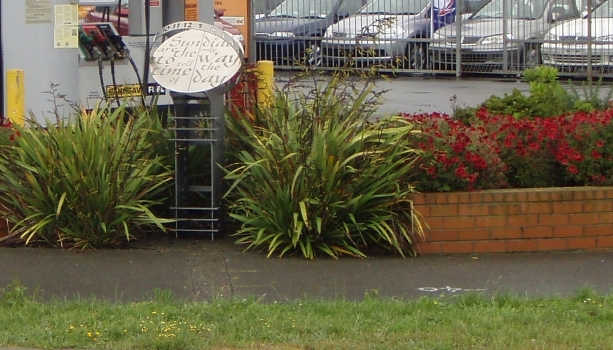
(15,93)
(265,72)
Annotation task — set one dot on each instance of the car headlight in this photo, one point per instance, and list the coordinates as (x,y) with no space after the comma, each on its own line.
(494,39)
(282,35)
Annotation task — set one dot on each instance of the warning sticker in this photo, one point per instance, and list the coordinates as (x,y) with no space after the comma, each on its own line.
(133,90)
(191,10)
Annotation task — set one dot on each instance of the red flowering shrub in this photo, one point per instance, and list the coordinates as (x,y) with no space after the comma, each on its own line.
(526,147)
(498,151)
(456,157)
(547,138)
(567,150)
(586,149)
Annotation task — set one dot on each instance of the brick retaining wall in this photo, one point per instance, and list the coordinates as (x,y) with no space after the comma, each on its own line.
(521,220)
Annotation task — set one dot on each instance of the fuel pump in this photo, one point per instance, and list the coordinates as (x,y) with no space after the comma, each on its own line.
(113,51)
(115,42)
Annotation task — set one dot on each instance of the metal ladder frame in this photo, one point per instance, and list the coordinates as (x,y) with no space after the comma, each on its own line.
(194,124)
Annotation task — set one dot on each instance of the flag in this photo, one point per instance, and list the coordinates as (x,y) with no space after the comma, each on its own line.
(443,13)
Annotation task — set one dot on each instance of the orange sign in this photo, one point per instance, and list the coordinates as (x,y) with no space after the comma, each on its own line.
(191,10)
(233,15)
(236,13)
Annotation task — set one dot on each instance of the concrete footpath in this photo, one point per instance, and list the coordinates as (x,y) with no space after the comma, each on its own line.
(204,269)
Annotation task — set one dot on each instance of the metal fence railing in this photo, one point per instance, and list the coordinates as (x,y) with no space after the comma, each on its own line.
(430,36)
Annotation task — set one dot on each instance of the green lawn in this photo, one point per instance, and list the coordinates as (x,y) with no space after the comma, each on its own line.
(465,322)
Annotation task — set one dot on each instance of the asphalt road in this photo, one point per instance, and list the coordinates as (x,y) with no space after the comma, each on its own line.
(417,94)
(427,94)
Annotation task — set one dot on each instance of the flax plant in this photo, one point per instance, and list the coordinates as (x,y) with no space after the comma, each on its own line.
(313,177)
(86,184)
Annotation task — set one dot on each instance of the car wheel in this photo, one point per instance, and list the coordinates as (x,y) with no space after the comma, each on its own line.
(417,55)
(531,56)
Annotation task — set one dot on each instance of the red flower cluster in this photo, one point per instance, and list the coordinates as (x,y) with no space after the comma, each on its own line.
(455,156)
(585,150)
(6,126)
(502,151)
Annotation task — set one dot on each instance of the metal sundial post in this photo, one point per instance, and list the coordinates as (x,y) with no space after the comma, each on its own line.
(197,196)
(198,64)
(181,112)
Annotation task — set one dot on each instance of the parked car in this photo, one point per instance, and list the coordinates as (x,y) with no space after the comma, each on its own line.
(566,45)
(382,33)
(291,33)
(489,41)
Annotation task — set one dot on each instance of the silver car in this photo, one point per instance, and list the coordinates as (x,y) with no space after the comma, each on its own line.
(566,45)
(382,32)
(291,32)
(488,41)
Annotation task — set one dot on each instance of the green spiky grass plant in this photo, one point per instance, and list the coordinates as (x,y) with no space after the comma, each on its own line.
(589,98)
(314,178)
(85,184)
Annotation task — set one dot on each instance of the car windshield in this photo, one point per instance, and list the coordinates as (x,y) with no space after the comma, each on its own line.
(605,10)
(521,9)
(394,7)
(303,9)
